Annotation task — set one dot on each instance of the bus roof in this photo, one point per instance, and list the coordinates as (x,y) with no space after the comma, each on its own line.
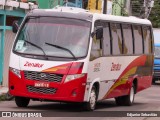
(130,19)
(78,13)
(61,13)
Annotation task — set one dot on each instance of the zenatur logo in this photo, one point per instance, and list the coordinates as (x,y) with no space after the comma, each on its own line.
(116,67)
(28,64)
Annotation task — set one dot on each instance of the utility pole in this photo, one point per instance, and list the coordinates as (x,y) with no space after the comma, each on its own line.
(105,7)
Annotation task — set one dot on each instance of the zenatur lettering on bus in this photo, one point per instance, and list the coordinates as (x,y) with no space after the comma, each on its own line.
(116,67)
(28,64)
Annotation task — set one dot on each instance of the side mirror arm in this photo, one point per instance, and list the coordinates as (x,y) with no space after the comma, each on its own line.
(15,26)
(93,34)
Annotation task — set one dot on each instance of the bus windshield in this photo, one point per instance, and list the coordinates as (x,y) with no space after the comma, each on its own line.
(65,38)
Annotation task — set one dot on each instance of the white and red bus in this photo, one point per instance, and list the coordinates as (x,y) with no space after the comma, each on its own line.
(72,55)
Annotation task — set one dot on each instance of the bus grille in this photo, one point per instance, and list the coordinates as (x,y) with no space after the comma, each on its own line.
(41,76)
(41,90)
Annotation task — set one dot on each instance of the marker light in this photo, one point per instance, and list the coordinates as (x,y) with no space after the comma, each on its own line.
(73,77)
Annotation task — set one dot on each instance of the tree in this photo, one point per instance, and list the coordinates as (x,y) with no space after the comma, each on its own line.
(155,14)
(136,7)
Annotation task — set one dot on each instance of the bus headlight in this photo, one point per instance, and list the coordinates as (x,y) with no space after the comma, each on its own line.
(72,77)
(16,72)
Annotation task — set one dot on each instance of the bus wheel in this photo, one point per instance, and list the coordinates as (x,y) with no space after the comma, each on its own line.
(22,101)
(91,104)
(129,99)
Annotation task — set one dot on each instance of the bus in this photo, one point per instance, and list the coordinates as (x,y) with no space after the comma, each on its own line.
(156,73)
(72,55)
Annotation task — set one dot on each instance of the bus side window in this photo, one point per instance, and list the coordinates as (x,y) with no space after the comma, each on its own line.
(116,39)
(147,39)
(96,50)
(128,39)
(106,40)
(138,39)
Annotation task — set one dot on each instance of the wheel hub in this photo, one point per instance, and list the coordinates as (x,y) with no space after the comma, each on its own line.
(93,99)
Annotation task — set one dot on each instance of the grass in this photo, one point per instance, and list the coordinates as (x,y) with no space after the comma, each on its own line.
(3,97)
(6,97)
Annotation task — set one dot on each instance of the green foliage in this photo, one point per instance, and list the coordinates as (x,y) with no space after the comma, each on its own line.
(6,96)
(136,6)
(155,14)
(2,97)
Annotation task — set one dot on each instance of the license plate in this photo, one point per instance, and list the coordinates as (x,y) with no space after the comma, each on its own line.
(41,84)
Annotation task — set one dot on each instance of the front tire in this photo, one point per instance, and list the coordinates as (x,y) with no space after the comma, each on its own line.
(22,101)
(91,104)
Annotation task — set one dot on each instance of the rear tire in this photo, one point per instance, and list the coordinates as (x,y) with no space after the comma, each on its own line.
(22,101)
(119,101)
(91,104)
(128,99)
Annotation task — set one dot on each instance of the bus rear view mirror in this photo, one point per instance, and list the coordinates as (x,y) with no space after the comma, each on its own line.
(98,33)
(15,26)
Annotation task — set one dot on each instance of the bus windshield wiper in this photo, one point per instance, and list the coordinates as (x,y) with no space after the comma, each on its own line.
(38,47)
(35,44)
(59,47)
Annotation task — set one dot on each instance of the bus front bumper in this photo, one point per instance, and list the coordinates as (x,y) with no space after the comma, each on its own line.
(72,91)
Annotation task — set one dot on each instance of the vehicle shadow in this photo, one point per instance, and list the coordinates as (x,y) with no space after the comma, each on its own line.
(58,107)
(70,107)
(106,105)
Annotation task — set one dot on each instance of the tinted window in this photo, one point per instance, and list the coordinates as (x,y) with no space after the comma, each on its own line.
(117,39)
(106,40)
(138,39)
(147,39)
(128,39)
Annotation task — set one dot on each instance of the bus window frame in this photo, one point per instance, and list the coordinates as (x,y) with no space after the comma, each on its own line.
(41,57)
(151,37)
(133,37)
(121,52)
(142,52)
